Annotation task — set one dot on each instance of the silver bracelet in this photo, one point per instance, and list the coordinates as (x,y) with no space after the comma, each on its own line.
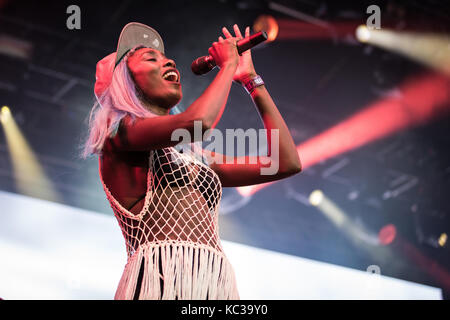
(252,83)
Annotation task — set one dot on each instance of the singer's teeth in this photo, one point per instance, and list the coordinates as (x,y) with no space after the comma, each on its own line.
(170,76)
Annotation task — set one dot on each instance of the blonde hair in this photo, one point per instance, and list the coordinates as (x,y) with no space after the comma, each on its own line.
(121,98)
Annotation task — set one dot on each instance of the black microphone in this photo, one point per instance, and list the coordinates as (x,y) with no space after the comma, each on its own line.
(205,64)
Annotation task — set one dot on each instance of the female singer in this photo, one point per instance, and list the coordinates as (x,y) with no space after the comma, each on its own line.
(166,202)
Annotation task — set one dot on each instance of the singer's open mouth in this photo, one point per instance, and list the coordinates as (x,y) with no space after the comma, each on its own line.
(171,75)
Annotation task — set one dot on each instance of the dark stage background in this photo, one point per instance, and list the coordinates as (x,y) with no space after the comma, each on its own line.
(316,84)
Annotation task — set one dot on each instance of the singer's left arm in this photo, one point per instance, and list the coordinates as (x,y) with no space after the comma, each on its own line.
(282,159)
(250,170)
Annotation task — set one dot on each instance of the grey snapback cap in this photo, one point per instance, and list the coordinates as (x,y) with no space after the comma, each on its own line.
(135,33)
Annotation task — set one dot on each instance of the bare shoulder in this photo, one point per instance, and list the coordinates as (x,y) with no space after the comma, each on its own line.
(125,175)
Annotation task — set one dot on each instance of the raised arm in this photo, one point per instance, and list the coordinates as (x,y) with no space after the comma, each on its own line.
(153,133)
(249,170)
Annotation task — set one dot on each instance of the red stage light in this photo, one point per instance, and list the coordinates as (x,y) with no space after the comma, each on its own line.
(419,101)
(292,29)
(268,24)
(387,234)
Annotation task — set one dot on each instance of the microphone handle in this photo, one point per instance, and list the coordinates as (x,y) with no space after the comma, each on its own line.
(205,64)
(250,42)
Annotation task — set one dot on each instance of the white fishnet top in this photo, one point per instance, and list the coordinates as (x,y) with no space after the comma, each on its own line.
(173,243)
(181,203)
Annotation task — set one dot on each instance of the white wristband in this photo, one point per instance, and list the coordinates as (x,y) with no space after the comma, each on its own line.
(252,83)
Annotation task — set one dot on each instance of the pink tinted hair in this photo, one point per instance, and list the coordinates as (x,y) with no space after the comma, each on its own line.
(117,101)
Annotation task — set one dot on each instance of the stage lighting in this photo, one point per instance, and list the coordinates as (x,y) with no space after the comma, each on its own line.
(442,239)
(316,197)
(423,99)
(357,233)
(29,176)
(4,114)
(431,49)
(268,24)
(387,234)
(363,33)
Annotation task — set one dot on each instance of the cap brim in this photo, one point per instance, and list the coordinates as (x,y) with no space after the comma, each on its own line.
(134,34)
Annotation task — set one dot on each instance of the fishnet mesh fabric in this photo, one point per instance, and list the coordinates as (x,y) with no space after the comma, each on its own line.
(181,204)
(180,213)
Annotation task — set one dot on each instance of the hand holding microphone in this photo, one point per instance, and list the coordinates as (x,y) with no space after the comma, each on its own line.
(227,50)
(221,54)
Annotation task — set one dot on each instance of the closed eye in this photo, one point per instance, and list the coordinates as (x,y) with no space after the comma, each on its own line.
(153,59)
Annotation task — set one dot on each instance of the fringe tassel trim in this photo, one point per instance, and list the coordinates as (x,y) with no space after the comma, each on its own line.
(190,271)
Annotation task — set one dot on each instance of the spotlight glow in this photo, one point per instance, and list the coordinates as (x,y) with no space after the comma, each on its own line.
(5,110)
(268,24)
(442,239)
(4,114)
(30,177)
(430,49)
(387,234)
(422,100)
(362,33)
(355,232)
(316,197)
